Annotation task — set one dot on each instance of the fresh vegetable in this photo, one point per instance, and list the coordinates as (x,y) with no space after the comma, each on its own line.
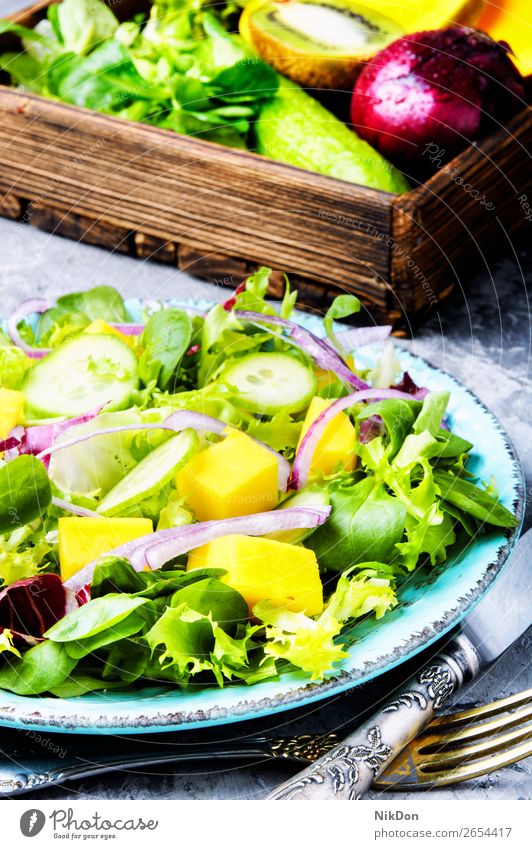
(317,44)
(296,129)
(277,581)
(25,492)
(336,447)
(85,372)
(150,475)
(261,569)
(11,410)
(432,93)
(30,606)
(235,477)
(179,70)
(268,383)
(81,540)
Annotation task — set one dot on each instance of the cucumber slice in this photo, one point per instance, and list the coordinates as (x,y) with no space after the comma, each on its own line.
(83,373)
(151,474)
(269,383)
(312,496)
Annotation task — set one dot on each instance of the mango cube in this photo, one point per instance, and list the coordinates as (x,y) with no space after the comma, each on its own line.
(101,326)
(259,568)
(337,445)
(235,477)
(11,410)
(83,539)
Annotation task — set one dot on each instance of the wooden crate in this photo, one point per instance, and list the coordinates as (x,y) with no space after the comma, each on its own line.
(219,213)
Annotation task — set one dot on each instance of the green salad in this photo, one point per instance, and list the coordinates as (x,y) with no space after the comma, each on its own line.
(207,498)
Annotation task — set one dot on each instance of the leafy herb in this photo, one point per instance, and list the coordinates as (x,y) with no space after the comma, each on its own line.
(343,306)
(25,492)
(165,340)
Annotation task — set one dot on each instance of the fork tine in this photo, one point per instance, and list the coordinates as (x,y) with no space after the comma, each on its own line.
(432,737)
(472,769)
(448,757)
(483,711)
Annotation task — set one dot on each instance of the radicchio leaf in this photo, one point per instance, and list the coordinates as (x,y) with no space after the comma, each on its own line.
(30,606)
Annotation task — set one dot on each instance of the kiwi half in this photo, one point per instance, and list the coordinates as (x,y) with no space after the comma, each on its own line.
(317,43)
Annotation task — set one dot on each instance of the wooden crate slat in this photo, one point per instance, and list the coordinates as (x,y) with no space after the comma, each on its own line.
(220,213)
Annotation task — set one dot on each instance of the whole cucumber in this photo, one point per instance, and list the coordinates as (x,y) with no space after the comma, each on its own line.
(296,129)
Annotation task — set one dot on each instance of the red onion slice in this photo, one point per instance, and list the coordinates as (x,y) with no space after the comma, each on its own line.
(180,420)
(322,353)
(156,549)
(356,337)
(75,509)
(26,308)
(127,328)
(309,443)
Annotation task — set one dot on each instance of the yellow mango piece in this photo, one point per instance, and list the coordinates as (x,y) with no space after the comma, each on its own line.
(11,410)
(83,539)
(101,326)
(235,477)
(259,568)
(337,445)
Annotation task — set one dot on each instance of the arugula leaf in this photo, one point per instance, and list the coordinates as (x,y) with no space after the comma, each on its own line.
(166,339)
(365,524)
(41,669)
(473,500)
(25,492)
(342,307)
(92,618)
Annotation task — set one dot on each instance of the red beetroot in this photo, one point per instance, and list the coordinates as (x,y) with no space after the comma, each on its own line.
(431,93)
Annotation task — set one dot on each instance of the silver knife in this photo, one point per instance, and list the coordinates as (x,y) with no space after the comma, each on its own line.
(349,769)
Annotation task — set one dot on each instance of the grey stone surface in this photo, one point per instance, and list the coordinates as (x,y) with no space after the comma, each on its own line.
(482,336)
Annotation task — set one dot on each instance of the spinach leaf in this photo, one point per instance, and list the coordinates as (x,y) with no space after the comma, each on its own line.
(127,660)
(128,627)
(43,667)
(166,339)
(92,618)
(115,575)
(79,683)
(25,492)
(473,500)
(365,524)
(215,599)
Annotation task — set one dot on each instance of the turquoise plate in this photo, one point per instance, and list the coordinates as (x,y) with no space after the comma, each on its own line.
(431,604)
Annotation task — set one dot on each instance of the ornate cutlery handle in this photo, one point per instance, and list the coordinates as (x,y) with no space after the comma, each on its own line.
(350,768)
(25,772)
